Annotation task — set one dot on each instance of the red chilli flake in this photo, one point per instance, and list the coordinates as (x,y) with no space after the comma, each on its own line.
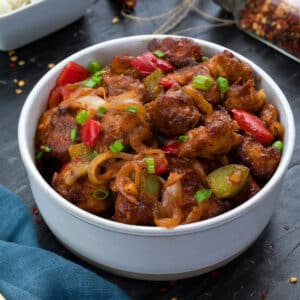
(163,289)
(263,295)
(172,282)
(38,221)
(35,211)
(12,65)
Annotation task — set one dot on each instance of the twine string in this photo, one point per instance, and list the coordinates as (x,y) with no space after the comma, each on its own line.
(178,14)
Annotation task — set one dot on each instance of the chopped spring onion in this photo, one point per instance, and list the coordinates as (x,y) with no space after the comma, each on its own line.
(73,135)
(82,117)
(41,153)
(159,53)
(223,84)
(202,195)
(116,147)
(100,194)
(150,165)
(278,145)
(202,82)
(101,111)
(94,81)
(46,149)
(94,154)
(204,58)
(132,109)
(94,66)
(183,138)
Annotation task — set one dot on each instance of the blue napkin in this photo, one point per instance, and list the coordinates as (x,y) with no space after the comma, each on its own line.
(29,272)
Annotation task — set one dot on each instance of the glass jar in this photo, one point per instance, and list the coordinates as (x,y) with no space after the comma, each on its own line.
(274,22)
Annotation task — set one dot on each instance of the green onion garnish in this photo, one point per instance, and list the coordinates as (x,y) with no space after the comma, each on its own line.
(46,149)
(94,154)
(101,111)
(82,117)
(39,155)
(132,109)
(204,58)
(94,81)
(94,66)
(159,53)
(202,82)
(183,138)
(116,147)
(278,145)
(150,165)
(73,135)
(100,194)
(223,85)
(202,195)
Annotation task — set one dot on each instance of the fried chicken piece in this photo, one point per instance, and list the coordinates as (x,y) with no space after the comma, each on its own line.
(117,84)
(227,65)
(217,137)
(261,160)
(54,131)
(245,97)
(180,52)
(185,75)
(80,193)
(174,112)
(139,213)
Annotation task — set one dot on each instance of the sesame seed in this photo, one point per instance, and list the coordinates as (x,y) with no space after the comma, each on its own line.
(13,58)
(115,20)
(15,80)
(293,279)
(21,63)
(51,65)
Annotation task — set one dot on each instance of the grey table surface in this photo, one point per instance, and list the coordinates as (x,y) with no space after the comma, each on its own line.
(265,268)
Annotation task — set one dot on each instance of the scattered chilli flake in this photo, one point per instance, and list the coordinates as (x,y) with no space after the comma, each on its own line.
(51,65)
(15,80)
(171,282)
(38,221)
(35,211)
(19,91)
(163,289)
(21,83)
(263,295)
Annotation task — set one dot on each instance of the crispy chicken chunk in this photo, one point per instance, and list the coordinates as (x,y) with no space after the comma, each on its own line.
(80,193)
(185,75)
(180,52)
(117,84)
(54,131)
(217,137)
(139,213)
(262,161)
(245,97)
(174,112)
(227,65)
(126,127)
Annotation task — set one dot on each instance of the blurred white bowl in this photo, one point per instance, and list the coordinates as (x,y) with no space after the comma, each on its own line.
(151,252)
(33,21)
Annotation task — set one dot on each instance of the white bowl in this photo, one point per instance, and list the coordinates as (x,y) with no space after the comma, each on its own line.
(151,252)
(36,20)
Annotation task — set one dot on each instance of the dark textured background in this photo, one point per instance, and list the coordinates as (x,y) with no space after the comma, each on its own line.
(266,267)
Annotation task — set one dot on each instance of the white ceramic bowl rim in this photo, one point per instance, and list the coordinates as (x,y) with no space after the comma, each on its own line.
(217,221)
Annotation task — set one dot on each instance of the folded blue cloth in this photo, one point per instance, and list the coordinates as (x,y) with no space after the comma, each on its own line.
(29,272)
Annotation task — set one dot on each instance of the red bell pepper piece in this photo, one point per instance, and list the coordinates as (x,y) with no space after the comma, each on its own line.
(253,125)
(166,83)
(146,63)
(72,73)
(59,94)
(90,132)
(171,147)
(161,166)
